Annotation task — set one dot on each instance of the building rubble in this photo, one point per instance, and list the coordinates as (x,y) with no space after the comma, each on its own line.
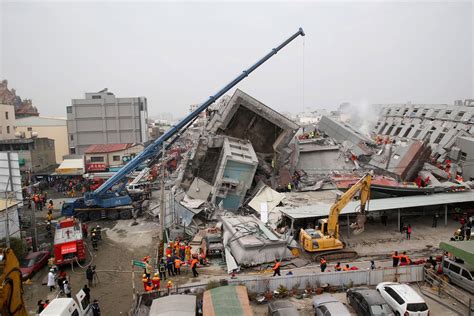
(244,158)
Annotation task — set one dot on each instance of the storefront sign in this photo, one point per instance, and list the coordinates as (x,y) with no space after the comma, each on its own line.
(96,167)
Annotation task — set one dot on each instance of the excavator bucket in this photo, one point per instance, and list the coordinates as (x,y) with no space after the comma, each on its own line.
(359,225)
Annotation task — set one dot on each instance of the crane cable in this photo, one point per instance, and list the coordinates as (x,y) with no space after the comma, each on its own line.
(303,74)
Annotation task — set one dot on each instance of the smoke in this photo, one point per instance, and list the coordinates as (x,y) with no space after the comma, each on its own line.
(360,115)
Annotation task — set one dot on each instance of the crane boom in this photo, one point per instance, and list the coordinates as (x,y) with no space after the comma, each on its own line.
(362,186)
(101,197)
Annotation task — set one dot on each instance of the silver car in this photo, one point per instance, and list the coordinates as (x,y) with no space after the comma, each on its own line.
(328,305)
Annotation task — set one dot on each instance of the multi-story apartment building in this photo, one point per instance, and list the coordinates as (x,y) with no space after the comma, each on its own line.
(438,124)
(102,118)
(7,121)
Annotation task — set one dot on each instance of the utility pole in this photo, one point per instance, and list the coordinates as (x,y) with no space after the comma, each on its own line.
(162,201)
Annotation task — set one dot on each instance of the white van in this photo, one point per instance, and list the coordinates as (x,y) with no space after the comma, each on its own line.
(403,299)
(68,306)
(459,273)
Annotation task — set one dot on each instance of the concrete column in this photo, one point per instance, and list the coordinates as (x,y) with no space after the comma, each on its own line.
(348,227)
(446,215)
(398,219)
(292,227)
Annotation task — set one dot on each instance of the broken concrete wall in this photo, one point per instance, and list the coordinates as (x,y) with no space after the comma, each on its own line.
(234,173)
(403,160)
(246,118)
(340,131)
(465,157)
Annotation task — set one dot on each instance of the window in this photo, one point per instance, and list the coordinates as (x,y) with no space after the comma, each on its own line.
(439,138)
(417,133)
(6,115)
(446,264)
(455,268)
(96,97)
(1,130)
(97,159)
(463,156)
(116,158)
(69,109)
(29,129)
(75,313)
(323,310)
(466,275)
(8,129)
(394,295)
(417,307)
(72,150)
(71,136)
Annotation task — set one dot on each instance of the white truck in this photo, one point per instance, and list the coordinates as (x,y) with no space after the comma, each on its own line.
(66,306)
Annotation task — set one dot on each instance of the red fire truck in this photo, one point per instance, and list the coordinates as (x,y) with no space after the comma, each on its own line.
(68,242)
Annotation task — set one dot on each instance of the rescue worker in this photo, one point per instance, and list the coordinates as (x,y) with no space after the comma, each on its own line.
(50,206)
(169,266)
(156,281)
(148,287)
(169,286)
(95,308)
(372,265)
(194,266)
(182,250)
(395,259)
(148,269)
(187,253)
(346,268)
(94,241)
(85,229)
(337,267)
(404,259)
(177,266)
(89,276)
(162,270)
(323,264)
(409,230)
(168,251)
(48,229)
(145,281)
(49,216)
(276,268)
(51,280)
(99,232)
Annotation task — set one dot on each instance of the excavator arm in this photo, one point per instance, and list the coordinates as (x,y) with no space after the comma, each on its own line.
(11,288)
(362,186)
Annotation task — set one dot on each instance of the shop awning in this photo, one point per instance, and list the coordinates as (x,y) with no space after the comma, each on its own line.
(460,249)
(71,167)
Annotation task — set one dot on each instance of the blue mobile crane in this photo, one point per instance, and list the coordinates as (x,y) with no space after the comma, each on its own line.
(111,199)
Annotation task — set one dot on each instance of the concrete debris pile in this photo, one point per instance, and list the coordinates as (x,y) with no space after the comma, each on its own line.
(248,242)
(244,154)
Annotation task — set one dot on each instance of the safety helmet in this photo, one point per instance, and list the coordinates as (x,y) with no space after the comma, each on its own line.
(144,275)
(93,234)
(156,274)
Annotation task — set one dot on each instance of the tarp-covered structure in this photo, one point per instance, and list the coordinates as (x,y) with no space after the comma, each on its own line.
(71,167)
(460,249)
(227,301)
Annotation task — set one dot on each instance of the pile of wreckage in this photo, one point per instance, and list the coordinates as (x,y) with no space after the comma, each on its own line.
(247,158)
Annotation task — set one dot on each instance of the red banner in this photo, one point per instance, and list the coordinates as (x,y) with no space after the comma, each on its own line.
(96,167)
(68,248)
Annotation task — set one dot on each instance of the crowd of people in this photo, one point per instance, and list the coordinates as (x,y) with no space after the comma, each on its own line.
(177,255)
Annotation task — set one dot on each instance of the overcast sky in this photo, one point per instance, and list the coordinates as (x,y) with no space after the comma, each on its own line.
(177,54)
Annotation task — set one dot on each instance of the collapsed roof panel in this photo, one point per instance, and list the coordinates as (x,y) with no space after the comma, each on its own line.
(247,118)
(251,243)
(341,132)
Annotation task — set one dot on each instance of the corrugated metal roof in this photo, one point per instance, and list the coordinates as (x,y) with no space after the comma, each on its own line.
(322,209)
(107,148)
(174,305)
(227,300)
(40,121)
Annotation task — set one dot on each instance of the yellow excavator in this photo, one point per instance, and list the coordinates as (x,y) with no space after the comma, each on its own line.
(325,239)
(11,287)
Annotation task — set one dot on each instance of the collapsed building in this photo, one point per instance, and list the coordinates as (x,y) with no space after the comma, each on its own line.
(245,152)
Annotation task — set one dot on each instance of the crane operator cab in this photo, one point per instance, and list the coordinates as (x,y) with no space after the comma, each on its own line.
(319,239)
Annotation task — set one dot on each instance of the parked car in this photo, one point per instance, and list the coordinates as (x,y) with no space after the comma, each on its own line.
(328,305)
(367,302)
(32,263)
(282,308)
(404,300)
(459,273)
